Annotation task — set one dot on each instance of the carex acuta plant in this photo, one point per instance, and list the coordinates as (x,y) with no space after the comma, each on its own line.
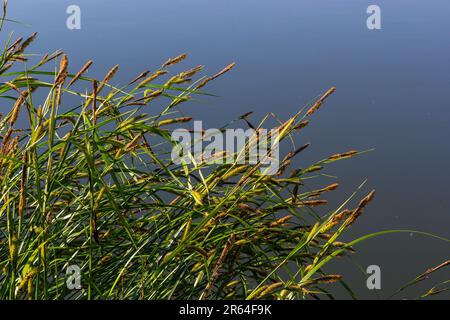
(86,180)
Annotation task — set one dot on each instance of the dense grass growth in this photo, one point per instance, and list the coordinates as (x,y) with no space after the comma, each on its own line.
(93,185)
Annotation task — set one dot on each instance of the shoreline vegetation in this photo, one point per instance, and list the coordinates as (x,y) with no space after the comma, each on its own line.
(91,185)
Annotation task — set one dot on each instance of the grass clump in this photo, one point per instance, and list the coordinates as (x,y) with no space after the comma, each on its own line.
(90,183)
(93,185)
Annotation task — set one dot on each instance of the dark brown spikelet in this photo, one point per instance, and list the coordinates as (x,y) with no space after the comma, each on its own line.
(290,155)
(140,76)
(295,194)
(62,74)
(313,203)
(248,175)
(313,169)
(5,4)
(172,121)
(190,72)
(17,106)
(58,95)
(47,58)
(269,289)
(283,167)
(301,125)
(364,202)
(175,60)
(14,45)
(327,279)
(319,102)
(342,215)
(80,73)
(338,218)
(223,71)
(43,59)
(343,155)
(152,77)
(20,58)
(215,273)
(245,115)
(26,43)
(280,222)
(6,142)
(111,73)
(150,96)
(6,67)
(358,211)
(331,187)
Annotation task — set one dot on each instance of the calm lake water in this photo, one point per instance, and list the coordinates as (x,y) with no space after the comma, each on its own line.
(392,94)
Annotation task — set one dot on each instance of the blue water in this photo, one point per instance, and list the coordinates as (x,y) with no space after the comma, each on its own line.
(392,94)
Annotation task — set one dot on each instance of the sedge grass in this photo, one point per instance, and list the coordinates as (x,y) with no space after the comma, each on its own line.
(93,185)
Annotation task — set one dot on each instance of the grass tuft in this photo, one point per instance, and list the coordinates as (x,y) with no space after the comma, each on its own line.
(91,184)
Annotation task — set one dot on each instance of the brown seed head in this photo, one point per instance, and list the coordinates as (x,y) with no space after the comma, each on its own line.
(319,102)
(175,60)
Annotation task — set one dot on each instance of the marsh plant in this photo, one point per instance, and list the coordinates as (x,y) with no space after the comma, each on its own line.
(88,187)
